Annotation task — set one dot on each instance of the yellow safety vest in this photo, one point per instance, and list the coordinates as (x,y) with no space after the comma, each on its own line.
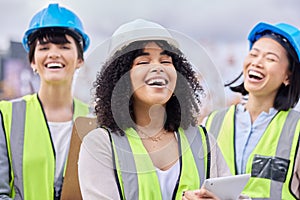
(271,163)
(30,148)
(135,173)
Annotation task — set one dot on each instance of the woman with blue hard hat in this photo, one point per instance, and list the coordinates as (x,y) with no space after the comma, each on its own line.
(261,135)
(35,130)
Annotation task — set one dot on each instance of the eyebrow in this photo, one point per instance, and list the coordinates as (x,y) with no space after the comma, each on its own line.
(147,54)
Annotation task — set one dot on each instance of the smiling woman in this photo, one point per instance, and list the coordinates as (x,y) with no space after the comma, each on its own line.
(160,82)
(36,129)
(265,129)
(54,59)
(147,118)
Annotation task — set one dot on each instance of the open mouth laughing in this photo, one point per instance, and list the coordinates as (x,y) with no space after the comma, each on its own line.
(255,75)
(55,65)
(157,82)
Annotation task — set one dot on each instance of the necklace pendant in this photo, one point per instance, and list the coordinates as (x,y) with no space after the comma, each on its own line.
(155,139)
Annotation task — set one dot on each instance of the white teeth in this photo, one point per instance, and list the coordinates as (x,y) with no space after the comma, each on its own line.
(54,65)
(256,74)
(157,81)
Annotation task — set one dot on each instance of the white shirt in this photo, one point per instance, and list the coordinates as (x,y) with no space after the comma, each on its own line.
(61,136)
(167,180)
(248,134)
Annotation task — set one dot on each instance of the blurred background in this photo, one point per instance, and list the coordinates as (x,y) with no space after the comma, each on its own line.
(220,26)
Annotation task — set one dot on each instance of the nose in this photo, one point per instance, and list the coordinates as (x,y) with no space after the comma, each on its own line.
(54,54)
(257,62)
(157,69)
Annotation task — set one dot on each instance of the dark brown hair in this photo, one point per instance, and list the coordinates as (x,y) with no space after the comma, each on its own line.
(53,35)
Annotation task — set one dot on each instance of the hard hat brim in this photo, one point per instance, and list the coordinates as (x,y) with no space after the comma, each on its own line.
(85,37)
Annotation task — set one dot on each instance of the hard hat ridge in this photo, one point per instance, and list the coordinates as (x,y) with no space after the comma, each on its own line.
(137,30)
(56,16)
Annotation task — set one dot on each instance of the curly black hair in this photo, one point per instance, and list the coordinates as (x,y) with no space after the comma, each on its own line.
(113,90)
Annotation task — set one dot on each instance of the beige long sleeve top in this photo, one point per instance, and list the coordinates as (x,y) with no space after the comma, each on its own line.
(96,174)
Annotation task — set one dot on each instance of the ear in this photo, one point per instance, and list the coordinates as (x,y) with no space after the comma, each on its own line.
(287,80)
(33,66)
(80,63)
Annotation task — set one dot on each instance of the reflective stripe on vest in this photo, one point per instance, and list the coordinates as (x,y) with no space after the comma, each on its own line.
(32,151)
(217,122)
(214,124)
(194,138)
(283,148)
(126,165)
(17,138)
(128,178)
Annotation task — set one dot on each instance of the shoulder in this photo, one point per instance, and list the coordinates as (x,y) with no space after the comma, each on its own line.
(218,114)
(290,117)
(6,105)
(98,136)
(79,102)
(295,113)
(97,141)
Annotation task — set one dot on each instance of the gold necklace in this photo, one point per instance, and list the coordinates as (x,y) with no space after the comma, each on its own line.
(154,138)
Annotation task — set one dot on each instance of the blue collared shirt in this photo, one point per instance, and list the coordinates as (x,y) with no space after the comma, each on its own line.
(247,134)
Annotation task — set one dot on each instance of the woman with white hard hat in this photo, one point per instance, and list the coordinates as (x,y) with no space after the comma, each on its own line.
(261,136)
(148,144)
(35,130)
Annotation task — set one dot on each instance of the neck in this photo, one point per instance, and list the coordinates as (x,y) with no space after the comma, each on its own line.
(55,95)
(150,119)
(256,105)
(57,103)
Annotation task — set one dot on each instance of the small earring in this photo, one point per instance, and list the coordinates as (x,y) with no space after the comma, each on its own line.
(35,71)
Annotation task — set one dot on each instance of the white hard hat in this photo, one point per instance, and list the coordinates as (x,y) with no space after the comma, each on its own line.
(138,30)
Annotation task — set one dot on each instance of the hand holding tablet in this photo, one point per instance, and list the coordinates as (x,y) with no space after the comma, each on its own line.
(228,187)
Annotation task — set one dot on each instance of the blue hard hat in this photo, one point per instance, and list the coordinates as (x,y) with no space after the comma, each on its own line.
(291,33)
(56,16)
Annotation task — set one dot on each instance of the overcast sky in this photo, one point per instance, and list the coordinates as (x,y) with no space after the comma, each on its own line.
(212,21)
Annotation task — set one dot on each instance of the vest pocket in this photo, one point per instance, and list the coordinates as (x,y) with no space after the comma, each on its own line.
(274,168)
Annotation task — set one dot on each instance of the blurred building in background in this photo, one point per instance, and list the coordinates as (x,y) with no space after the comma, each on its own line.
(16,76)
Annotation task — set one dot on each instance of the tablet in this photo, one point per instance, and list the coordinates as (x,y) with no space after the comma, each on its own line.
(227,187)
